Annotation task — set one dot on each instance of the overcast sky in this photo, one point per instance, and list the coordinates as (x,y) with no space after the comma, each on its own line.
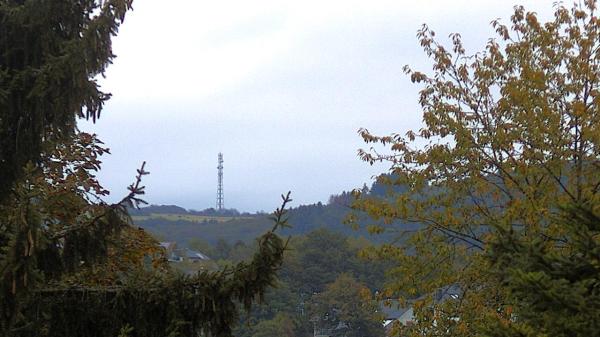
(279,87)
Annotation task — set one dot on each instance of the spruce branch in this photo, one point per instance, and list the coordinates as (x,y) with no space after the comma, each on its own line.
(278,217)
(131,200)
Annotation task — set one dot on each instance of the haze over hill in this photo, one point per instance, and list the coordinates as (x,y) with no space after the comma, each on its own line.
(279,87)
(174,223)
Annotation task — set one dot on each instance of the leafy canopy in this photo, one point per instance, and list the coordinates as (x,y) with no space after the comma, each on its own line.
(510,133)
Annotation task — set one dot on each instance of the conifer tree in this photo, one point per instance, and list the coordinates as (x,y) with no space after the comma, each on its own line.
(50,55)
(72,265)
(553,283)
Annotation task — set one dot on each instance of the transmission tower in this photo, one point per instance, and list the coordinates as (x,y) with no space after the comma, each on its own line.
(220,198)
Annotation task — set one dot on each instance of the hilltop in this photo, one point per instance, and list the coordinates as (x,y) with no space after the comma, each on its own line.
(174,223)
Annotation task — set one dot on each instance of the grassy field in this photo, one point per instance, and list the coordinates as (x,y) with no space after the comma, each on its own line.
(181,227)
(187,217)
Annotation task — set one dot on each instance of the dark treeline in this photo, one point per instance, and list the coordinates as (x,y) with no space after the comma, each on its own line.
(173,209)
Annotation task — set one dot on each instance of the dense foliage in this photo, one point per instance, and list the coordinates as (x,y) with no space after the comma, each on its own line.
(50,54)
(72,267)
(324,286)
(510,134)
(71,264)
(553,285)
(346,309)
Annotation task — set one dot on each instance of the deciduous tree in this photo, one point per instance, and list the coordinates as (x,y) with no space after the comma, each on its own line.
(346,309)
(509,134)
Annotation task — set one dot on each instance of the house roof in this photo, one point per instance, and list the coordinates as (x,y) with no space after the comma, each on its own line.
(192,254)
(407,316)
(392,310)
(452,291)
(341,325)
(167,245)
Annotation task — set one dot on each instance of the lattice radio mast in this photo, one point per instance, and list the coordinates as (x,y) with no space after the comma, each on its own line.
(220,198)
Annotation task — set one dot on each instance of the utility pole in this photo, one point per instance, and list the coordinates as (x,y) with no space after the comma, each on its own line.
(220,198)
(314,320)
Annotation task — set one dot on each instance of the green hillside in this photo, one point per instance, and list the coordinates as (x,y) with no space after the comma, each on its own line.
(183,228)
(174,223)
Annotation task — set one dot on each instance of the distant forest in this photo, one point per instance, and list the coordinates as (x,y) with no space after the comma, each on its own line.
(174,223)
